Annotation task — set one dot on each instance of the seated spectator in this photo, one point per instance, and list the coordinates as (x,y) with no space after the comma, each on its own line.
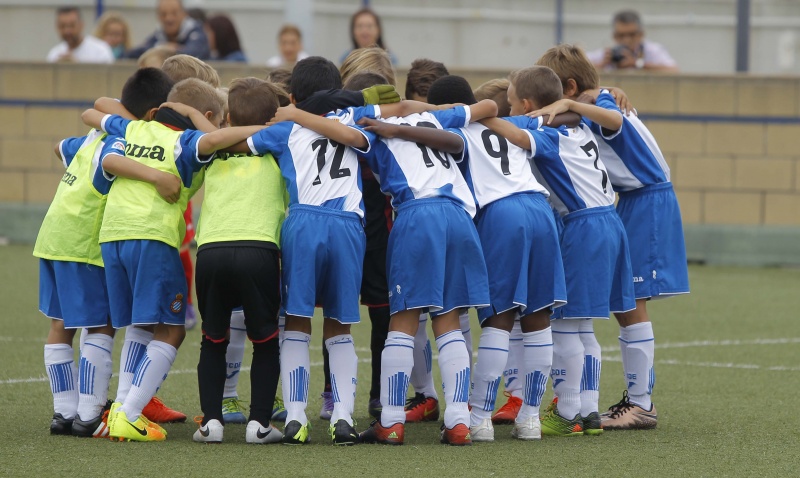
(223,39)
(290,44)
(632,51)
(113,29)
(74,46)
(366,31)
(176,30)
(155,57)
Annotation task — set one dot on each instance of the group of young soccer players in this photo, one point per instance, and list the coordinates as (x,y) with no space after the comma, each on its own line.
(319,189)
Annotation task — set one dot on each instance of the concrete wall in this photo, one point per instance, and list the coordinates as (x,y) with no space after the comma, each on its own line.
(730,142)
(502,34)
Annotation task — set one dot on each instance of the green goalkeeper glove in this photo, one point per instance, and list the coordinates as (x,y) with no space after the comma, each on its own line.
(380,95)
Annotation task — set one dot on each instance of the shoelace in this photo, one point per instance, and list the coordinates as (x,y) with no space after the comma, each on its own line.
(232,406)
(199,420)
(416,400)
(620,408)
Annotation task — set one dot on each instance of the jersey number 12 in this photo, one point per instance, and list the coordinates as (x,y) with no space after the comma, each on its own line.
(321,147)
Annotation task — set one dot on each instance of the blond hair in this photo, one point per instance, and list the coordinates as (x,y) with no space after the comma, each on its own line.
(253,101)
(570,62)
(538,84)
(107,19)
(197,94)
(497,91)
(181,67)
(155,57)
(368,59)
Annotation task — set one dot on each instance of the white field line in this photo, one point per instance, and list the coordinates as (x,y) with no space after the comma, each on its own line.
(607,358)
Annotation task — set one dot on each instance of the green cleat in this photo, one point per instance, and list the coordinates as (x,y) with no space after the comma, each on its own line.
(554,424)
(591,424)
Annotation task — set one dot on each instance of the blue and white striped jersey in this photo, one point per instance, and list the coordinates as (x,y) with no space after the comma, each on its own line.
(630,154)
(567,162)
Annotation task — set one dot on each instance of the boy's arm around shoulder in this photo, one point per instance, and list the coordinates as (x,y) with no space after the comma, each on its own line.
(111,106)
(329,128)
(116,164)
(509,131)
(226,138)
(433,138)
(608,119)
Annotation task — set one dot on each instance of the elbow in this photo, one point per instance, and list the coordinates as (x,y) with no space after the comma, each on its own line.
(86,115)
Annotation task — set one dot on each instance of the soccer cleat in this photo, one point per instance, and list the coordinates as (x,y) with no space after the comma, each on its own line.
(422,409)
(459,435)
(97,428)
(122,429)
(554,424)
(327,406)
(278,410)
(157,412)
(296,434)
(259,435)
(484,432)
(508,412)
(191,317)
(60,425)
(233,410)
(528,429)
(211,432)
(628,416)
(375,408)
(377,433)
(592,424)
(342,433)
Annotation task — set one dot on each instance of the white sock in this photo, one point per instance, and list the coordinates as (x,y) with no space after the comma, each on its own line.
(295,366)
(513,383)
(567,366)
(592,359)
(397,360)
(536,364)
(623,350)
(639,364)
(422,373)
(466,331)
(454,366)
(492,355)
(235,353)
(94,373)
(344,376)
(133,349)
(60,364)
(84,333)
(150,374)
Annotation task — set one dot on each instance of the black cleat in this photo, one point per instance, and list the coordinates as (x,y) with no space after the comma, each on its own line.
(97,428)
(60,425)
(296,434)
(342,433)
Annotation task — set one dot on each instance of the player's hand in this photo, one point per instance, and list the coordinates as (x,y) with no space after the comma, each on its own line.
(168,186)
(628,59)
(380,95)
(180,108)
(284,113)
(560,106)
(623,102)
(384,130)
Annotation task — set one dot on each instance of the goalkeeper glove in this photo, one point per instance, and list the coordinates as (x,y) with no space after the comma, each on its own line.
(380,95)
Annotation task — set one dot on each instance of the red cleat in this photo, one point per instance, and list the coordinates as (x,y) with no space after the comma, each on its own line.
(157,412)
(422,409)
(508,412)
(377,433)
(459,435)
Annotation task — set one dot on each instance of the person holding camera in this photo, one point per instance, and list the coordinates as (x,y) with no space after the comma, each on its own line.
(632,51)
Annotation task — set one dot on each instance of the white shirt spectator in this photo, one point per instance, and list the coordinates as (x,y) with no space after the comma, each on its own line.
(652,54)
(91,50)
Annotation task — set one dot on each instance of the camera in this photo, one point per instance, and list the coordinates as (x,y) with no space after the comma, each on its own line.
(618,53)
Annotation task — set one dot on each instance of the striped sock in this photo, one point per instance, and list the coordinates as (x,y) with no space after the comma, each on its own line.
(536,364)
(94,373)
(454,366)
(492,356)
(295,366)
(397,361)
(60,364)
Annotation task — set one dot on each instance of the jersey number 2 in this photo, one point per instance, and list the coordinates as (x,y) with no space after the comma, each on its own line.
(590,147)
(321,147)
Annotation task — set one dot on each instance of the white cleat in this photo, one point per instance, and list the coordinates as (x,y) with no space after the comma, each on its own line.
(210,433)
(527,429)
(257,434)
(483,432)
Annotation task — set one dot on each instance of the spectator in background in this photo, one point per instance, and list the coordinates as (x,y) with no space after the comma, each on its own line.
(366,31)
(290,44)
(223,40)
(632,51)
(113,29)
(74,46)
(178,31)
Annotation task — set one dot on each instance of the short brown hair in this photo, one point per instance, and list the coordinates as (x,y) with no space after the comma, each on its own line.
(289,28)
(281,76)
(364,79)
(538,84)
(155,57)
(371,59)
(569,61)
(252,101)
(421,75)
(197,94)
(497,91)
(181,67)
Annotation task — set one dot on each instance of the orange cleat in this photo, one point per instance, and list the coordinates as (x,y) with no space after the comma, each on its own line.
(377,433)
(157,412)
(422,409)
(508,412)
(459,435)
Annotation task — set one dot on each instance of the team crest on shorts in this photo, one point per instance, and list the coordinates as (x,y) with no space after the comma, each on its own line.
(177,304)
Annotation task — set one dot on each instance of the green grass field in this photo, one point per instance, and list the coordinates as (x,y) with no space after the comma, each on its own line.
(727,362)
